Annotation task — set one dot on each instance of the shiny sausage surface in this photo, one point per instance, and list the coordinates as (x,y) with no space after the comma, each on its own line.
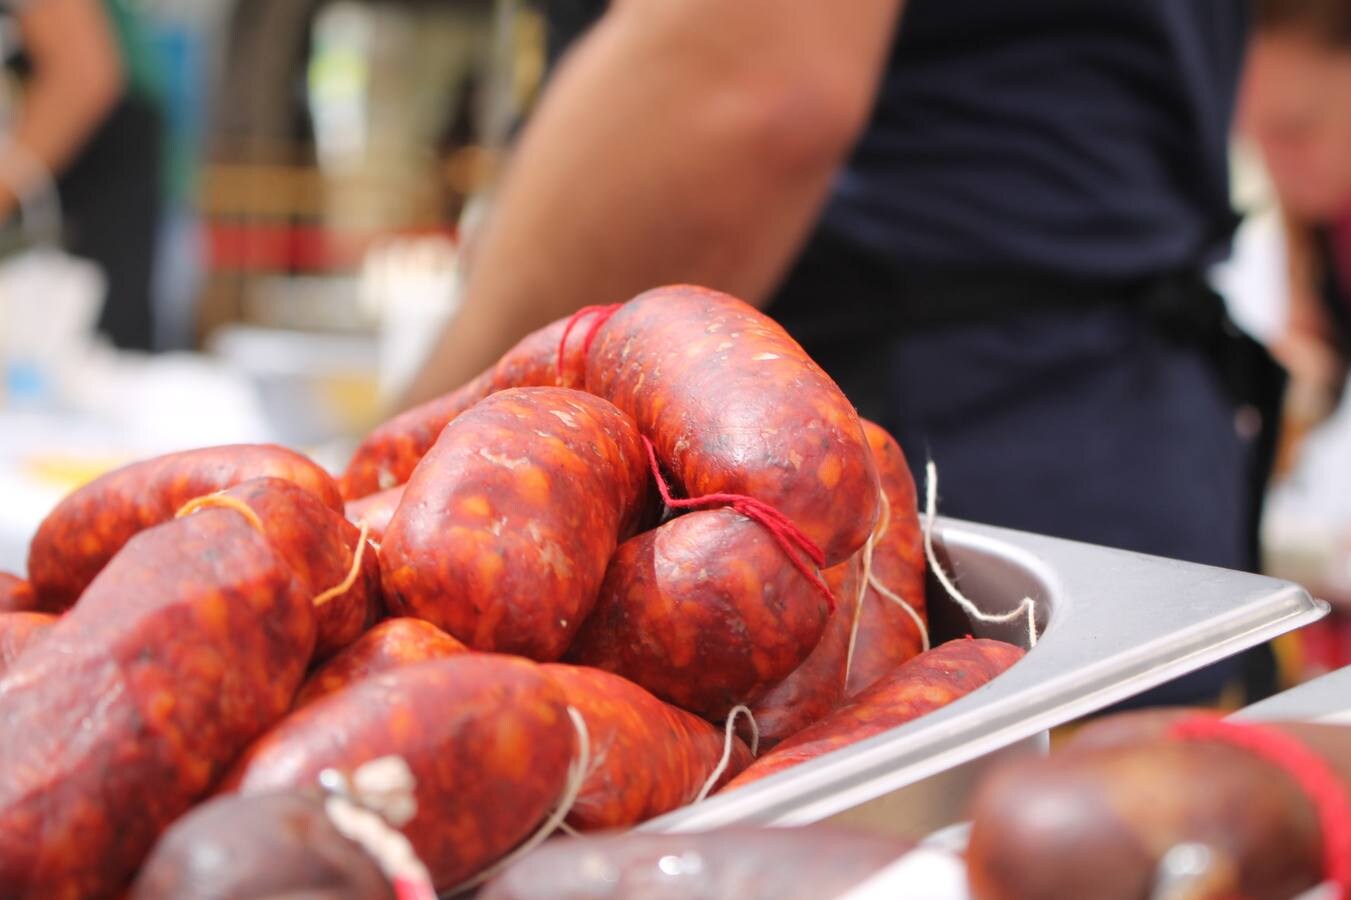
(928,682)
(90,525)
(705,612)
(650,757)
(733,404)
(506,527)
(486,737)
(190,643)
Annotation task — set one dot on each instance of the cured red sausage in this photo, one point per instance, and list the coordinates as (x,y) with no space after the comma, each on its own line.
(1096,818)
(16,595)
(882,633)
(507,524)
(18,630)
(733,404)
(928,682)
(783,863)
(887,635)
(186,646)
(705,612)
(809,692)
(320,546)
(387,457)
(392,643)
(271,845)
(651,757)
(487,738)
(89,526)
(375,510)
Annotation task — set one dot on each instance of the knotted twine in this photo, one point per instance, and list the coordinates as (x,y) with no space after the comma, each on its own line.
(368,811)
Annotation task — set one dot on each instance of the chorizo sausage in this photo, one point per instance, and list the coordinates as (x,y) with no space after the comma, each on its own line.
(16,595)
(187,645)
(270,845)
(89,526)
(651,757)
(734,405)
(809,692)
(18,630)
(928,682)
(1096,818)
(375,510)
(784,863)
(704,611)
(321,547)
(486,737)
(388,456)
(887,635)
(507,524)
(869,634)
(392,643)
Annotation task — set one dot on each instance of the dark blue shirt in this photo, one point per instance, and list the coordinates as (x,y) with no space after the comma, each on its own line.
(1085,137)
(1077,137)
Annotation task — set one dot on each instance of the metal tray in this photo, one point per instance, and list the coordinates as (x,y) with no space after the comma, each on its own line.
(1325,699)
(1112,624)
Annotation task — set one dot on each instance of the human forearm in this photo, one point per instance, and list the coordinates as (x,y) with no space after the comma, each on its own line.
(659,155)
(77,77)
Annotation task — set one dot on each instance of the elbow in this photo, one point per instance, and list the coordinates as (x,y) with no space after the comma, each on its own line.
(801,125)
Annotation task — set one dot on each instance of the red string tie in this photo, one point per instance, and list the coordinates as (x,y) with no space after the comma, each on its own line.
(1310,771)
(601,315)
(785,532)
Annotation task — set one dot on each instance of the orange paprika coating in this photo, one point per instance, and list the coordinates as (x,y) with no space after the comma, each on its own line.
(375,510)
(392,643)
(506,526)
(18,631)
(190,643)
(390,453)
(650,757)
(705,611)
(319,545)
(16,595)
(816,686)
(486,737)
(928,682)
(90,525)
(733,404)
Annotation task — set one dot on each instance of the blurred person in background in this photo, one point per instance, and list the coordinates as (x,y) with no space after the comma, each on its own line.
(989,224)
(1296,107)
(88,114)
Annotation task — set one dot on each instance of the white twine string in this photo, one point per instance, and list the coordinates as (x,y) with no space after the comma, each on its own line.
(727,737)
(864,576)
(368,811)
(868,578)
(353,573)
(577,771)
(1027,608)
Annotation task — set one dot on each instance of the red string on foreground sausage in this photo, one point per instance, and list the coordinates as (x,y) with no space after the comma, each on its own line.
(785,532)
(1313,775)
(602,315)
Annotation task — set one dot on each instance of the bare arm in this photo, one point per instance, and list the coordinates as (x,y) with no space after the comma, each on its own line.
(692,141)
(77,78)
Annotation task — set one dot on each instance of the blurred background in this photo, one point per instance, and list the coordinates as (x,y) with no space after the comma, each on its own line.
(255,238)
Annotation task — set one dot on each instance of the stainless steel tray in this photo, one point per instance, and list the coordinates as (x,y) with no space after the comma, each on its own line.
(1325,699)
(1112,624)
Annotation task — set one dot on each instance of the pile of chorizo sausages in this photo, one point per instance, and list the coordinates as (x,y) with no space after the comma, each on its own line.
(637,523)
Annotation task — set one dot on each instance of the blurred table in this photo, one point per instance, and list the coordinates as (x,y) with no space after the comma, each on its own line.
(121,408)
